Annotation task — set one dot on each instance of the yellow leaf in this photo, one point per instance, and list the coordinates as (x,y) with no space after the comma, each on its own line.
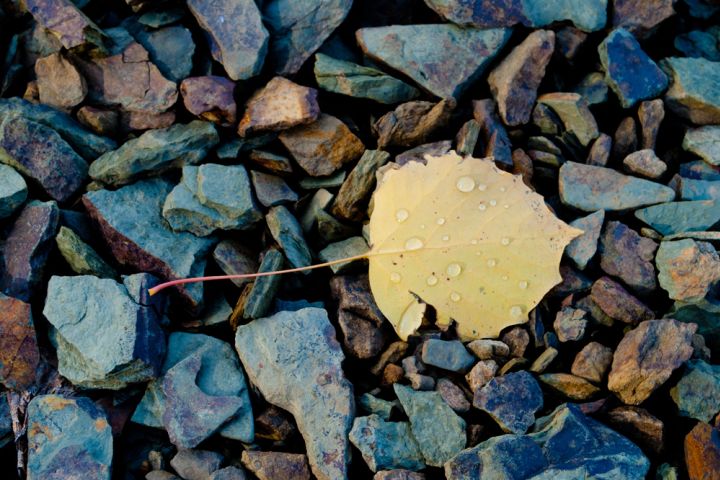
(465,237)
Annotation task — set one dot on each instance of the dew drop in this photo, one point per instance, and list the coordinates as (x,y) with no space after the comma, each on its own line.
(440,221)
(491,262)
(507,205)
(473,241)
(413,243)
(395,277)
(523,284)
(453,269)
(432,280)
(465,184)
(446,238)
(482,187)
(493,203)
(516,311)
(401,215)
(422,226)
(482,207)
(505,241)
(502,189)
(455,296)
(505,277)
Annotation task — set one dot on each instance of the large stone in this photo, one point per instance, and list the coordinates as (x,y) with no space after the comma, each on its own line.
(411,123)
(19,354)
(131,224)
(702,452)
(67,438)
(691,94)
(295,361)
(704,142)
(687,269)
(646,357)
(240,50)
(573,111)
(156,151)
(697,394)
(27,248)
(618,303)
(13,191)
(591,188)
(511,400)
(59,82)
(386,445)
(66,22)
(210,98)
(582,249)
(443,59)
(641,17)
(627,255)
(503,456)
(81,257)
(171,48)
(677,217)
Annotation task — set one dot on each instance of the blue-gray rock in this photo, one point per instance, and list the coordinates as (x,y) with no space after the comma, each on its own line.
(590,188)
(103,338)
(228,473)
(629,72)
(81,257)
(295,361)
(677,217)
(67,438)
(443,59)
(582,249)
(196,464)
(287,232)
(262,293)
(171,49)
(376,406)
(697,394)
(698,43)
(272,190)
(447,354)
(27,248)
(704,142)
(511,400)
(699,170)
(692,189)
(131,224)
(298,28)
(438,430)
(235,258)
(13,191)
(687,269)
(156,151)
(350,247)
(240,50)
(501,457)
(40,153)
(692,94)
(627,255)
(574,113)
(386,445)
(593,88)
(358,81)
(704,314)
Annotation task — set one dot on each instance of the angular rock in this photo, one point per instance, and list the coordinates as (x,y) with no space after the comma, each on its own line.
(687,269)
(702,451)
(647,356)
(228,473)
(411,123)
(262,292)
(271,190)
(697,394)
(629,72)
(691,95)
(19,354)
(171,48)
(640,426)
(641,17)
(418,153)
(618,303)
(514,82)
(453,395)
(351,201)
(625,140)
(582,249)
(492,133)
(66,22)
(593,88)
(59,82)
(130,121)
(481,374)
(13,191)
(503,456)
(154,152)
(68,437)
(679,217)
(295,361)
(196,464)
(699,170)
(235,259)
(486,349)
(286,230)
(592,362)
(386,445)
(570,324)
(517,339)
(627,255)
(81,257)
(448,355)
(574,114)
(279,105)
(443,59)
(398,475)
(569,386)
(100,120)
(645,163)
(699,189)
(273,465)
(210,98)
(651,114)
(352,247)
(511,400)
(273,163)
(704,142)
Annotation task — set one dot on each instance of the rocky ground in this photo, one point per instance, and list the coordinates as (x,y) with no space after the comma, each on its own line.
(154,140)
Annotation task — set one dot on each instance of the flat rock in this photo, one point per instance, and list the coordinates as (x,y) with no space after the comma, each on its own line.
(704,142)
(131,224)
(502,456)
(352,198)
(386,445)
(322,147)
(443,59)
(592,362)
(13,191)
(358,81)
(211,98)
(19,354)
(627,255)
(156,151)
(691,95)
(591,188)
(170,48)
(511,400)
(448,355)
(570,386)
(59,82)
(514,82)
(629,72)
(574,113)
(26,249)
(69,437)
(411,123)
(492,132)
(81,257)
(229,473)
(697,394)
(646,357)
(645,163)
(582,249)
(687,269)
(651,114)
(641,17)
(240,51)
(66,22)
(351,247)
(295,361)
(618,303)
(196,464)
(274,465)
(678,217)
(702,451)
(271,190)
(262,291)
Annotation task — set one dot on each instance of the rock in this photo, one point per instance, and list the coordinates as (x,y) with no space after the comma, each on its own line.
(352,247)
(298,29)
(641,17)
(81,257)
(702,451)
(687,269)
(146,121)
(570,324)
(19,354)
(295,362)
(59,82)
(697,394)
(629,72)
(160,475)
(322,147)
(481,374)
(503,456)
(453,395)
(704,142)
(100,120)
(210,98)
(448,355)
(439,432)
(517,339)
(386,445)
(273,465)
(270,162)
(351,201)
(645,163)
(376,406)
(618,303)
(139,237)
(543,361)
(271,190)
(287,232)
(690,95)
(699,189)
(574,114)
(593,88)
(646,356)
(418,153)
(154,152)
(196,464)
(467,138)
(26,249)
(514,82)
(511,400)
(443,59)
(698,170)
(703,313)
(398,475)
(68,437)
(625,140)
(697,44)
(171,48)
(228,473)
(651,114)
(486,349)
(279,105)
(582,249)
(678,217)
(640,426)
(40,153)
(262,291)
(411,123)
(66,22)
(13,191)
(627,255)
(570,386)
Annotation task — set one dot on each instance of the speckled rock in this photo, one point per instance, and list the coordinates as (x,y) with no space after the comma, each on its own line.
(645,163)
(641,17)
(411,123)
(59,82)
(627,255)
(691,95)
(702,451)
(574,113)
(582,249)
(704,142)
(386,445)
(210,98)
(678,217)
(481,374)
(81,257)
(67,437)
(19,354)
(503,456)
(618,303)
(66,22)
(570,324)
(592,362)
(13,191)
(570,386)
(697,394)
(274,465)
(196,464)
(687,269)
(511,400)
(647,356)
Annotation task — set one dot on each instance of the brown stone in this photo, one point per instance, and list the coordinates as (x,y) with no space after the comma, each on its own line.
(702,452)
(210,98)
(453,395)
(19,354)
(625,140)
(417,154)
(391,374)
(271,162)
(523,166)
(592,362)
(570,324)
(411,123)
(647,356)
(638,425)
(687,269)
(100,120)
(393,353)
(66,22)
(518,339)
(481,374)
(493,137)
(467,138)
(600,151)
(570,41)
(280,105)
(645,163)
(352,198)
(650,114)
(486,349)
(627,255)
(570,386)
(274,465)
(59,82)
(274,424)
(573,111)
(130,121)
(641,17)
(618,303)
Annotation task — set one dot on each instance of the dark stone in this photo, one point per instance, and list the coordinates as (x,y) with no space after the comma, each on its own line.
(19,354)
(100,120)
(641,17)
(448,355)
(697,394)
(411,123)
(352,198)
(574,113)
(493,136)
(210,98)
(171,49)
(235,259)
(503,456)
(13,191)
(582,249)
(287,232)
(262,291)
(196,464)
(511,400)
(650,114)
(678,217)
(618,303)
(271,190)
(67,22)
(627,255)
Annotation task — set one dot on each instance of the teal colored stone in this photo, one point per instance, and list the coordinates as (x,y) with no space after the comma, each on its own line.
(347,78)
(698,43)
(593,88)
(376,406)
(260,298)
(704,142)
(704,314)
(443,59)
(81,257)
(504,456)
(171,49)
(587,15)
(386,445)
(583,248)
(512,400)
(699,170)
(691,189)
(287,232)
(447,354)
(697,394)
(693,92)
(13,191)
(629,72)
(350,247)
(677,217)
(439,431)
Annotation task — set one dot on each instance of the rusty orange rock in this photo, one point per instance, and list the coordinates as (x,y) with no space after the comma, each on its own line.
(19,354)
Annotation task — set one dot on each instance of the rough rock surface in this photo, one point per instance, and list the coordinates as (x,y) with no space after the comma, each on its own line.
(59,82)
(687,269)
(697,394)
(19,354)
(511,400)
(210,98)
(689,95)
(628,256)
(386,445)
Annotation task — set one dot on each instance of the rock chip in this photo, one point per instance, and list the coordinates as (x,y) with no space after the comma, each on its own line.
(691,95)
(271,190)
(386,445)
(574,113)
(592,362)
(481,374)
(618,303)
(448,355)
(697,394)
(511,400)
(275,465)
(13,191)
(640,426)
(641,17)
(593,88)
(295,361)
(646,356)
(691,189)
(376,406)
(704,142)
(81,257)
(678,217)
(486,349)
(582,249)
(228,473)
(398,475)
(442,58)
(196,464)
(645,163)
(352,198)
(627,255)
(171,48)
(210,98)
(411,123)
(262,292)
(570,324)
(453,395)
(19,354)
(59,82)
(492,133)
(287,232)
(570,386)
(66,22)
(702,451)
(100,120)
(687,269)
(650,114)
